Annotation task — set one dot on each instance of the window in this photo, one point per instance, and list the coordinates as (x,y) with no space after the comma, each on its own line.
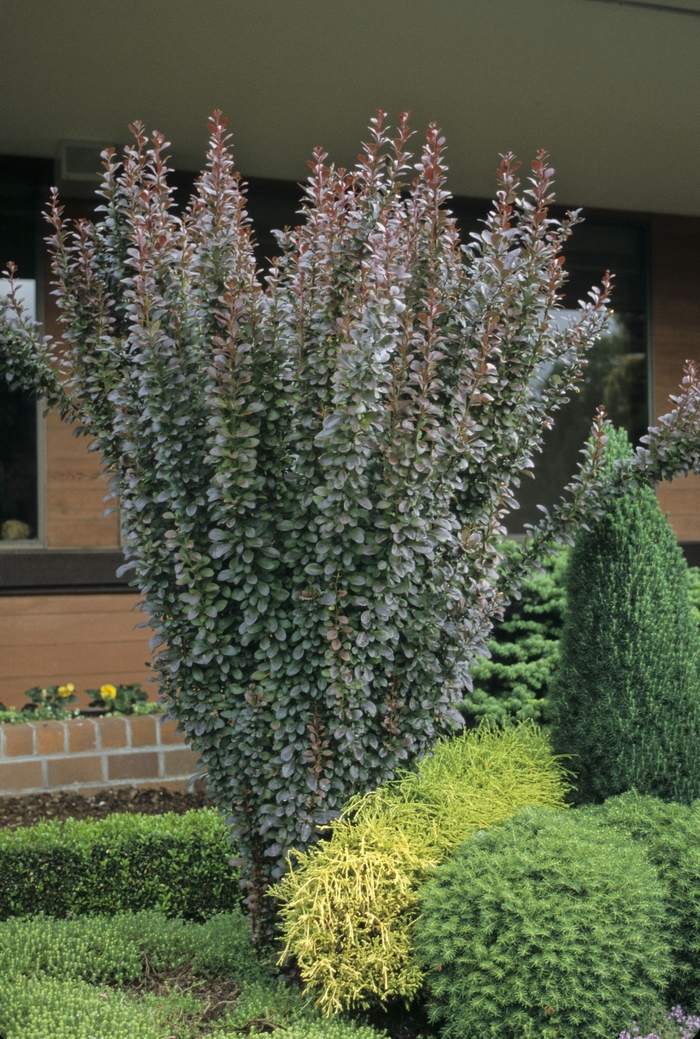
(617,372)
(19,513)
(20,182)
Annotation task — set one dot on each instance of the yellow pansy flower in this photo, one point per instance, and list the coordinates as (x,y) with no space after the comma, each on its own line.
(108,692)
(66,690)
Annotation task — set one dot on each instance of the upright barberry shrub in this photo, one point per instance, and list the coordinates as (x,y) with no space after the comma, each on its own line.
(312,472)
(626,700)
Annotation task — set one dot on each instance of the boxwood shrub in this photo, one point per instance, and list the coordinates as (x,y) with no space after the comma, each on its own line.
(178,864)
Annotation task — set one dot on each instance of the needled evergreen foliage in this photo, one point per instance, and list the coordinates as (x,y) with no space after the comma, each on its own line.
(670,836)
(350,903)
(514,681)
(550,925)
(626,703)
(313,469)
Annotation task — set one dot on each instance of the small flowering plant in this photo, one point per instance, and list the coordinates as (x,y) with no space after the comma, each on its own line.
(677,1025)
(121,699)
(55,698)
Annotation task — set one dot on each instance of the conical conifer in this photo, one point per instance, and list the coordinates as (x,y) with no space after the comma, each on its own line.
(626,703)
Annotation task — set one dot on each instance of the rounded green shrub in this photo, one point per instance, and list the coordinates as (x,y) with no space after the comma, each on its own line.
(349,904)
(626,700)
(550,926)
(670,836)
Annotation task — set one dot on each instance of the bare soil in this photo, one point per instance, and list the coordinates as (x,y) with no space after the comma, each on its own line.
(63,804)
(217,994)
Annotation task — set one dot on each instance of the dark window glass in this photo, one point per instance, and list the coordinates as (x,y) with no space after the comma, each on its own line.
(21,183)
(616,375)
(272,205)
(18,465)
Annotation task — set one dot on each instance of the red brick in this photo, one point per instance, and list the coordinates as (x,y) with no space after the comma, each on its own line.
(20,775)
(166,730)
(143,731)
(81,736)
(50,737)
(180,762)
(133,766)
(19,740)
(112,733)
(76,768)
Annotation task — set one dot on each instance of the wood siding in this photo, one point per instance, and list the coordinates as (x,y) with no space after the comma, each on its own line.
(75,492)
(676,339)
(75,485)
(84,639)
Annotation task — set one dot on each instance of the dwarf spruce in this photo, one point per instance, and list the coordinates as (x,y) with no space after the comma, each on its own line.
(313,469)
(626,699)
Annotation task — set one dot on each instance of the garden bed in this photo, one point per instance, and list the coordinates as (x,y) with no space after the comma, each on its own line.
(63,804)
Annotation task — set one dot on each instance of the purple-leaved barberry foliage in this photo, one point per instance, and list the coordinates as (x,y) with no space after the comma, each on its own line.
(313,469)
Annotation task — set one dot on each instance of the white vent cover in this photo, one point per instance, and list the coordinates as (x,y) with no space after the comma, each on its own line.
(80,160)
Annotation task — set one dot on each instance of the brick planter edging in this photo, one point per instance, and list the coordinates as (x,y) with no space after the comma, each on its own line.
(86,754)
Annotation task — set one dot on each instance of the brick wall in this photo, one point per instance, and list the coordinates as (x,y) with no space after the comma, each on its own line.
(88,753)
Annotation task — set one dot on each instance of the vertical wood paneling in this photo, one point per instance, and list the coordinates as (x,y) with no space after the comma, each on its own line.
(676,336)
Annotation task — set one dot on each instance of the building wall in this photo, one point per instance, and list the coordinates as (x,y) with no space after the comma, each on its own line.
(75,492)
(676,338)
(91,639)
(83,639)
(75,484)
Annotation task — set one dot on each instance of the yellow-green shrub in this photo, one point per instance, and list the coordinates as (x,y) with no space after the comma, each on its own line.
(348,905)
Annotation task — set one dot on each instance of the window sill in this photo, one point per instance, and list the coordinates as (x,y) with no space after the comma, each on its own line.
(40,571)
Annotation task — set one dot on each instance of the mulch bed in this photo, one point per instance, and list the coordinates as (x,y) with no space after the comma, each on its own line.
(63,804)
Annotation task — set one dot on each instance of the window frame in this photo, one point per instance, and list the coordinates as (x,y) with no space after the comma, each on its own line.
(37,174)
